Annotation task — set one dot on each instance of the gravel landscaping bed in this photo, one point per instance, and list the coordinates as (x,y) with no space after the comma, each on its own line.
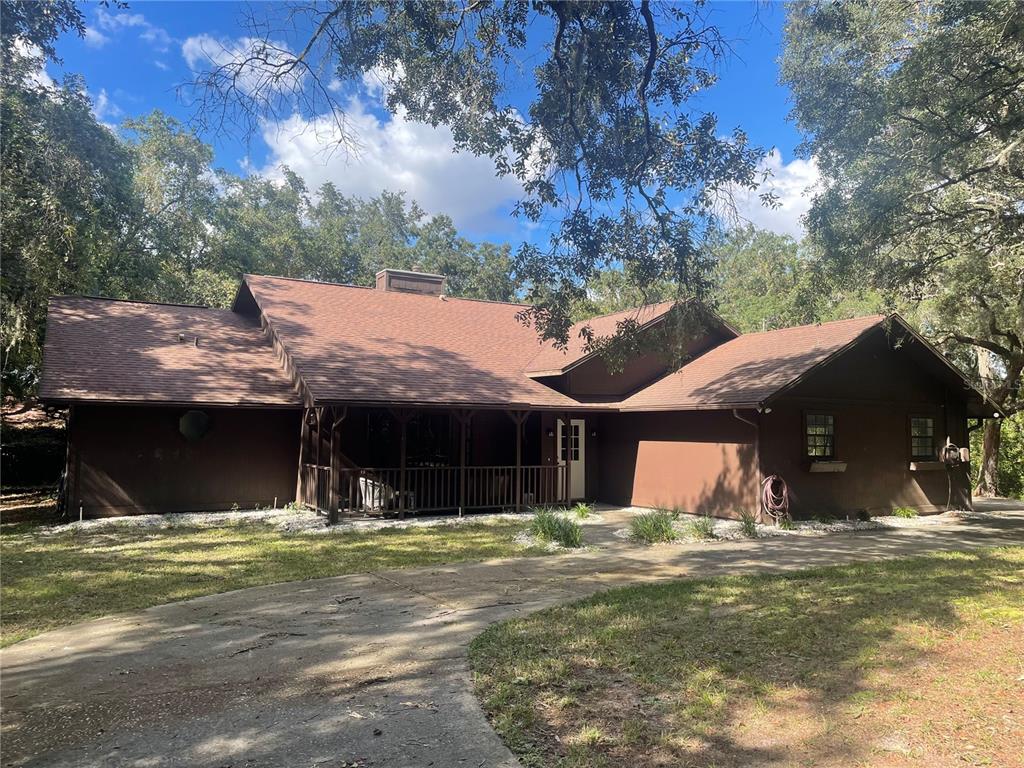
(727,530)
(302,521)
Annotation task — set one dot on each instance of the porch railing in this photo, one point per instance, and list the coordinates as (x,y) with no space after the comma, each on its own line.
(383,490)
(315,487)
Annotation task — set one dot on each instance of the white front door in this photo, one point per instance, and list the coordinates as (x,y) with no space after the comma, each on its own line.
(577,444)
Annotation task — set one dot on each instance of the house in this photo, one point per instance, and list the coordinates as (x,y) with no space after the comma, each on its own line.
(400,399)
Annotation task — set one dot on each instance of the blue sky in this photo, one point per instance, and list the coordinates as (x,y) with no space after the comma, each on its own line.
(133,61)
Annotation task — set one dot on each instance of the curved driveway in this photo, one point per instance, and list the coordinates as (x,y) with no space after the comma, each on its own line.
(366,670)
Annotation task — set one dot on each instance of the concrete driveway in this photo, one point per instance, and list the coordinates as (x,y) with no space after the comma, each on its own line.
(367,670)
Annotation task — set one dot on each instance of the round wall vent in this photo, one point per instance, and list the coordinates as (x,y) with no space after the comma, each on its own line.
(194,424)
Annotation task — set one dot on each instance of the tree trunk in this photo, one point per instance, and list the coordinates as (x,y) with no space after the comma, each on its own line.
(988,468)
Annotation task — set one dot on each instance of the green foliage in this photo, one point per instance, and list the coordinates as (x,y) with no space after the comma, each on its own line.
(582,511)
(1011,459)
(549,525)
(653,527)
(142,216)
(763,281)
(599,130)
(748,523)
(915,114)
(702,527)
(904,512)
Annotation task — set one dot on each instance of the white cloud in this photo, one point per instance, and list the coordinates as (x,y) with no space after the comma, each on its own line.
(94,38)
(161,65)
(202,51)
(157,37)
(105,110)
(793,183)
(39,75)
(394,154)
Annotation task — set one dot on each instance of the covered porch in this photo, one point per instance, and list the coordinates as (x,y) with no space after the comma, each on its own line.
(357,460)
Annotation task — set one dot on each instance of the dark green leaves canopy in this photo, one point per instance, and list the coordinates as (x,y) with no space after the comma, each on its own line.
(585,103)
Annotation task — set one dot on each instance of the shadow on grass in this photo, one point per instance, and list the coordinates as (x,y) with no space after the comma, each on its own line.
(61,578)
(667,674)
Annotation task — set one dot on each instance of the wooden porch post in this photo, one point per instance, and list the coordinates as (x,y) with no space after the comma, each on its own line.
(463,418)
(335,493)
(403,416)
(519,418)
(303,439)
(316,475)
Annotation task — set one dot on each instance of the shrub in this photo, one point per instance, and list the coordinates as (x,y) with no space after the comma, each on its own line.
(549,526)
(748,523)
(652,527)
(703,527)
(583,511)
(906,512)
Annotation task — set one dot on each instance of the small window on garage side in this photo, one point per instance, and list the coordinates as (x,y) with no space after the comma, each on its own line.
(820,435)
(922,437)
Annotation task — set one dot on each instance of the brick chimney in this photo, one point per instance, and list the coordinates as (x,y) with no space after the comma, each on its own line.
(405,281)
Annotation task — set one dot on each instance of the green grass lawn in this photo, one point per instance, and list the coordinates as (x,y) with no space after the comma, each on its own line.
(907,662)
(51,580)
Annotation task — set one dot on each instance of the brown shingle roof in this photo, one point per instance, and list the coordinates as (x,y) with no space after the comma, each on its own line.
(351,344)
(124,351)
(750,368)
(362,345)
(552,361)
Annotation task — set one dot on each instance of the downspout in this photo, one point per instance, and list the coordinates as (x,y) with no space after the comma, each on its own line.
(757,453)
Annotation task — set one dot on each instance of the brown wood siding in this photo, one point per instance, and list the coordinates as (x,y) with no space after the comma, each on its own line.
(696,461)
(133,460)
(873,440)
(872,390)
(592,379)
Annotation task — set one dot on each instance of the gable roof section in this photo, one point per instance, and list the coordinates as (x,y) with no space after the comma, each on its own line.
(360,345)
(552,361)
(106,350)
(363,345)
(746,371)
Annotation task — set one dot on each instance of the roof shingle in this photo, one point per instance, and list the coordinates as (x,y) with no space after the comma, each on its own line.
(750,368)
(363,345)
(124,351)
(552,361)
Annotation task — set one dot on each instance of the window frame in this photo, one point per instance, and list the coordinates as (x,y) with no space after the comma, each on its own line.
(805,445)
(932,455)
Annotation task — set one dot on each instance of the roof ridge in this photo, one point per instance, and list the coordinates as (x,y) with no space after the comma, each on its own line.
(631,309)
(90,297)
(447,297)
(877,317)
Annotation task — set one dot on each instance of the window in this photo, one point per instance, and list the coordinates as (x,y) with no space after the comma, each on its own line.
(574,430)
(820,435)
(922,437)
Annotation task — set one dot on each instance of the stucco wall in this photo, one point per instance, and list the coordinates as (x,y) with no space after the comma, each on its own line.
(134,460)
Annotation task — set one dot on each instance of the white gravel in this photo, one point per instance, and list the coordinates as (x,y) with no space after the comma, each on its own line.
(728,530)
(298,521)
